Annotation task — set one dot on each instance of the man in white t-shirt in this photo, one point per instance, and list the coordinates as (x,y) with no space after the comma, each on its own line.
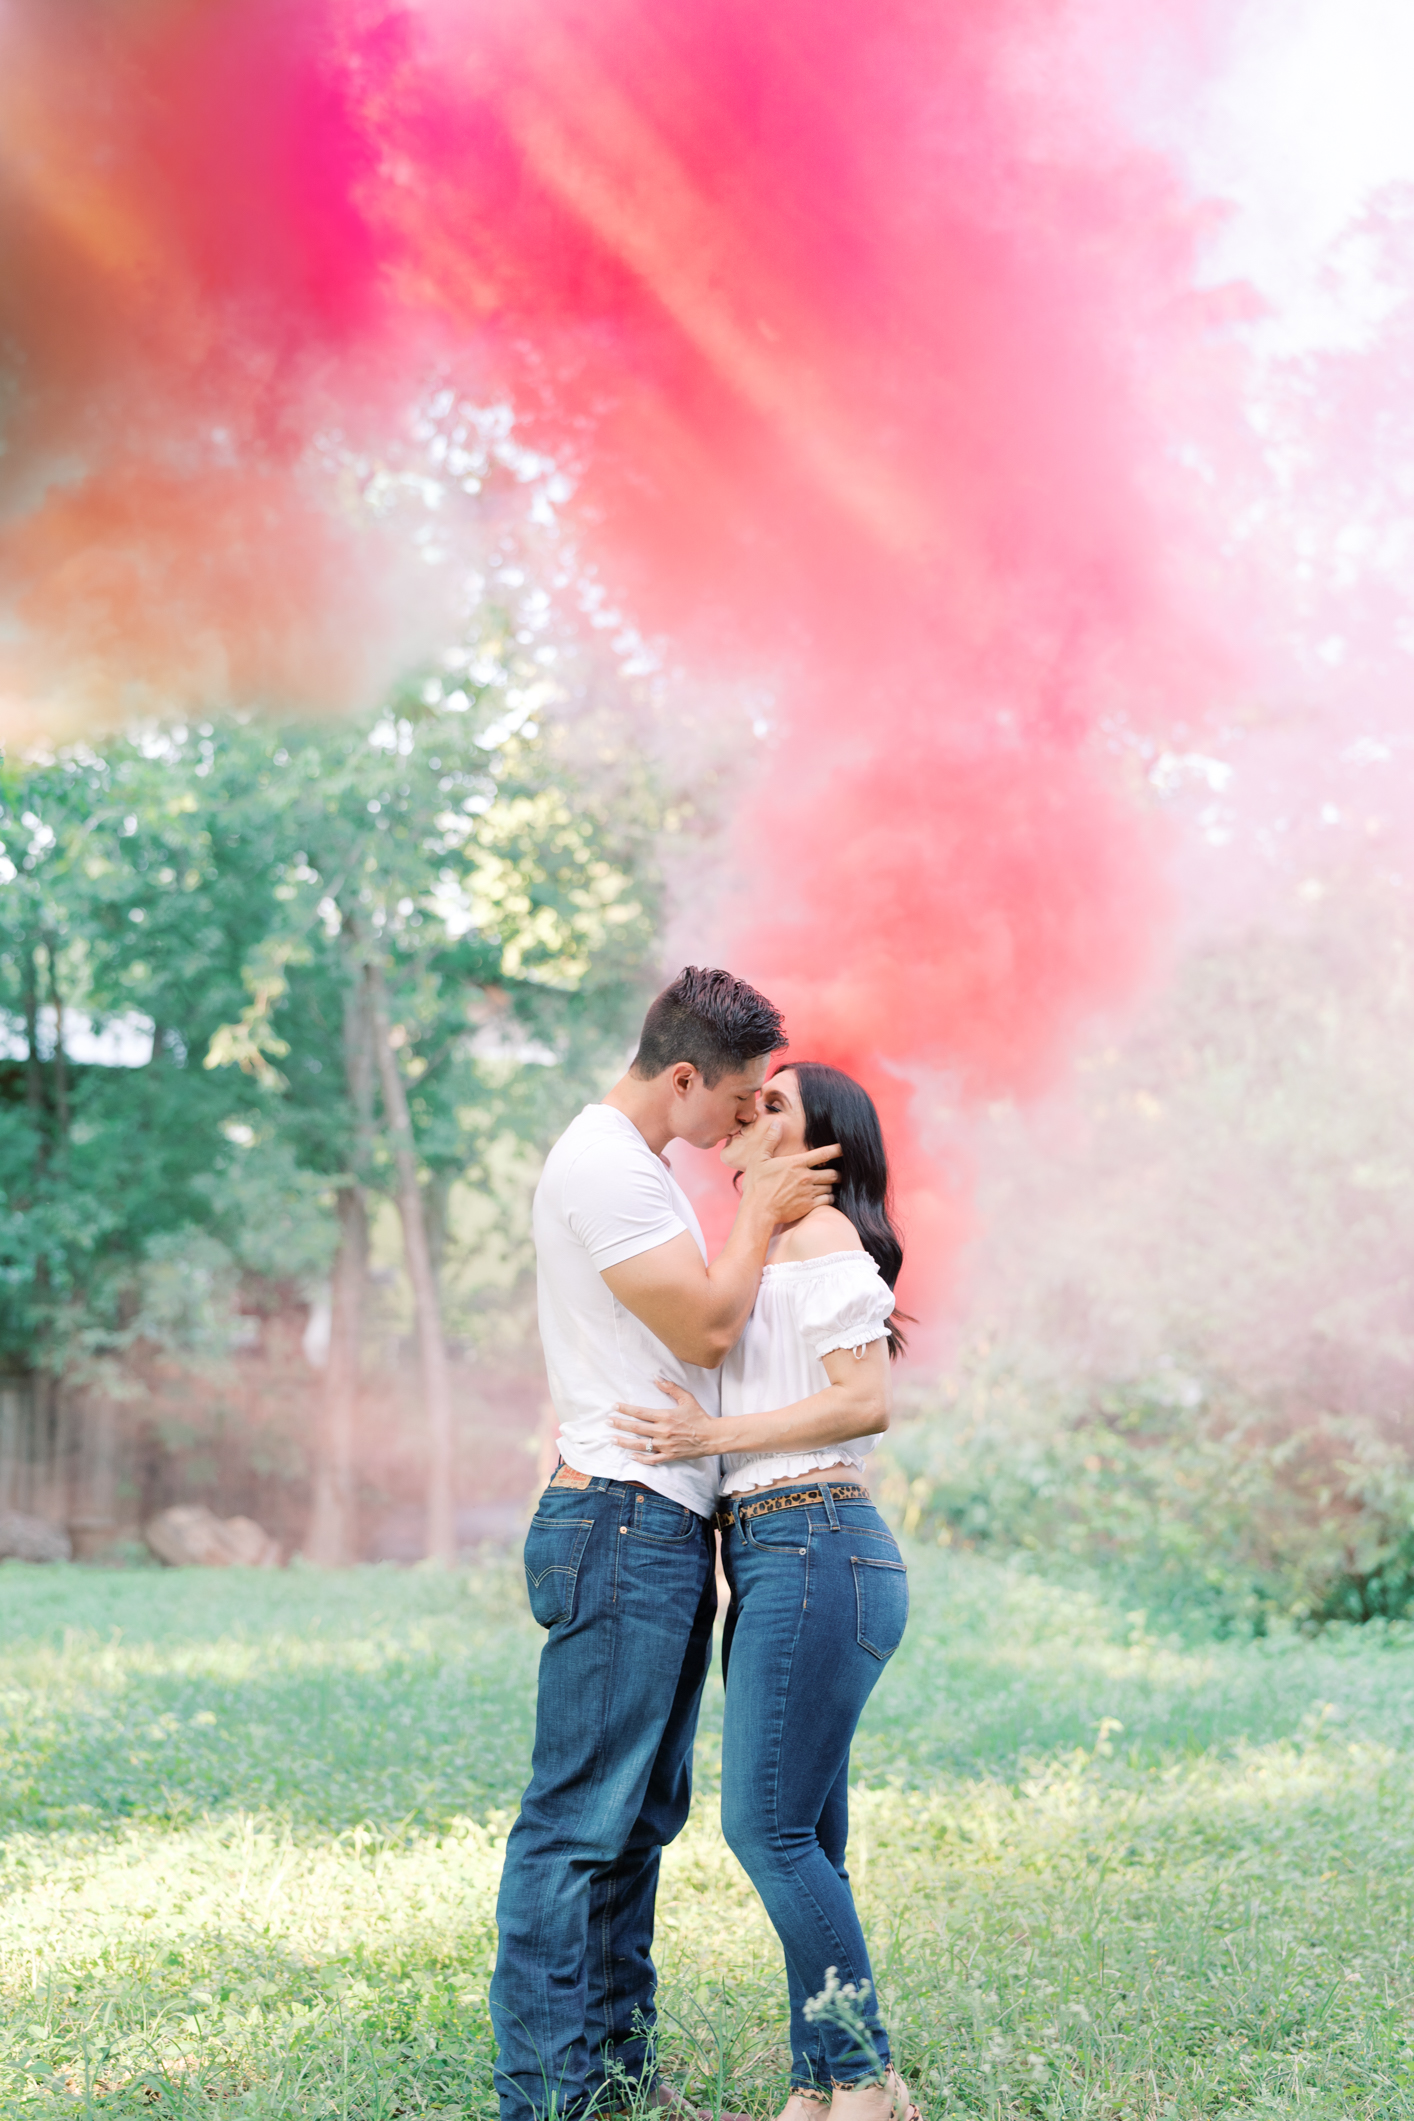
(620,1558)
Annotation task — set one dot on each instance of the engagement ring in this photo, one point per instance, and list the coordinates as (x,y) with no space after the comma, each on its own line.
(650,1448)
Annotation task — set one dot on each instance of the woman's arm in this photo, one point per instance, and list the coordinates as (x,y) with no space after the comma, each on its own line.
(856,1402)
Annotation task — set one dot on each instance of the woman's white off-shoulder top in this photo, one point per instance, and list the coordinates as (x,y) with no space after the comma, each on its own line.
(804,1309)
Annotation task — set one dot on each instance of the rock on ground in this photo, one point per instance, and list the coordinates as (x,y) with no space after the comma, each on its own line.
(25,1538)
(191,1536)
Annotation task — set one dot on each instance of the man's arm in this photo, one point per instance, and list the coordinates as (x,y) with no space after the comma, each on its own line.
(698,1311)
(856,1402)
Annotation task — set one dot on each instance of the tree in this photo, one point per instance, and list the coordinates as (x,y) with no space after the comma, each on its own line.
(269,899)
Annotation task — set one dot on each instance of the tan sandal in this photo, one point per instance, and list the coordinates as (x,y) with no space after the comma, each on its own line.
(906,2108)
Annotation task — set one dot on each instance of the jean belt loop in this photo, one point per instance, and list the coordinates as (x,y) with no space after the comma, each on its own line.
(830,1505)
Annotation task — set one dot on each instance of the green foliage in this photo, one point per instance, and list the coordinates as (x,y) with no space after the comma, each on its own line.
(224,885)
(1209,1509)
(254,1827)
(188,1289)
(274,1212)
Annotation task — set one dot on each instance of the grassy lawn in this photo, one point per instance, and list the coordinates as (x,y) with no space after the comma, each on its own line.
(253,1825)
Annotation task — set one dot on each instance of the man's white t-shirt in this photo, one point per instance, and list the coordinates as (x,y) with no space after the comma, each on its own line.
(604,1197)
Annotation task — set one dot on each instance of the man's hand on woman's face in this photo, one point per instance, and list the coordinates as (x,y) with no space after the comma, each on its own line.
(659,1434)
(789,1186)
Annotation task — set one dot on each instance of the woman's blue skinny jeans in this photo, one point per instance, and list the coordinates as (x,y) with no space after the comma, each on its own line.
(819,1604)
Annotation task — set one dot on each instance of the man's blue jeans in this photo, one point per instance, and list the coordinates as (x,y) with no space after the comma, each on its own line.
(819,1604)
(624,1581)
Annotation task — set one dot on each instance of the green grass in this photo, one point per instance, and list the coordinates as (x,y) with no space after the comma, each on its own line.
(253,1826)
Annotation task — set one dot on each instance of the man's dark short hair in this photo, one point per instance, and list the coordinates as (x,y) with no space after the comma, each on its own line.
(716,1022)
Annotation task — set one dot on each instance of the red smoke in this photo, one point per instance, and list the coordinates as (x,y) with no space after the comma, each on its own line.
(845,318)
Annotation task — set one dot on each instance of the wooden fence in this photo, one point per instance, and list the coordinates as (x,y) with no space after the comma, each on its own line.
(98,1464)
(59,1458)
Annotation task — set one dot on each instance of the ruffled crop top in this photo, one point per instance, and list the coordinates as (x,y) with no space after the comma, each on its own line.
(804,1309)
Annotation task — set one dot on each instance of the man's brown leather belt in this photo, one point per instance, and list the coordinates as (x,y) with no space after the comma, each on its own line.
(794,1499)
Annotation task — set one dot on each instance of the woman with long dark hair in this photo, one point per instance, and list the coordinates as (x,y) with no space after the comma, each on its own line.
(819,1590)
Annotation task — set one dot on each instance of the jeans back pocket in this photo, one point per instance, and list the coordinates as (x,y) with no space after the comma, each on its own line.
(554,1548)
(881,1604)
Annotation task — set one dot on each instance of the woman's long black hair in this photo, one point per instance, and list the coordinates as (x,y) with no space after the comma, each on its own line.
(838,1110)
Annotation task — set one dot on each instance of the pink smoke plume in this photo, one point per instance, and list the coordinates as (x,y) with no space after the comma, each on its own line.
(853,324)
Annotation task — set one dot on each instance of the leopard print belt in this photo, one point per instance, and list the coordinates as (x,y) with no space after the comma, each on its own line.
(797,1499)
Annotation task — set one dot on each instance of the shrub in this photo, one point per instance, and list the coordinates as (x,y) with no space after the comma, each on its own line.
(1206,1504)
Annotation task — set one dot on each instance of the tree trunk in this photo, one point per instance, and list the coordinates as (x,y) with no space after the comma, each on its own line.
(35,1106)
(331,1537)
(52,1447)
(436,1206)
(436,1384)
(15,1395)
(61,1059)
(34,1067)
(93,1490)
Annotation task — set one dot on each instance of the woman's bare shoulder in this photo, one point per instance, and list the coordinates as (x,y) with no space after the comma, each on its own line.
(822,1230)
